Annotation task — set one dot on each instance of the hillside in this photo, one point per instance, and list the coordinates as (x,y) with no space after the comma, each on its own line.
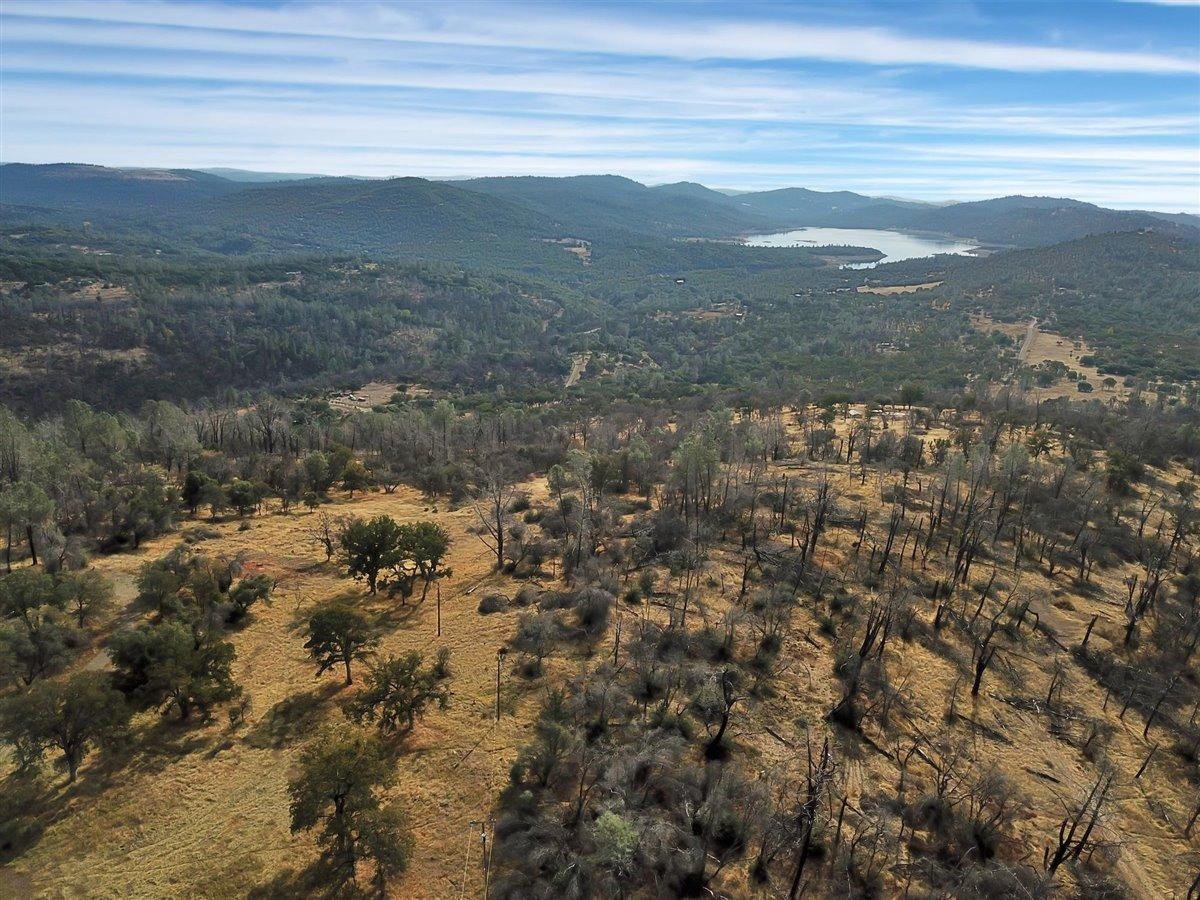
(753,570)
(1131,296)
(206,211)
(586,203)
(253,177)
(382,215)
(838,645)
(656,319)
(1009,221)
(86,189)
(188,211)
(800,206)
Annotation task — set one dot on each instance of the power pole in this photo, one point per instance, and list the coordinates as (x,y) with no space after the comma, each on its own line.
(500,654)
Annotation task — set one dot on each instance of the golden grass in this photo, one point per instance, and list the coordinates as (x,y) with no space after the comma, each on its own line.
(373,393)
(887,290)
(1148,813)
(1046,346)
(203,810)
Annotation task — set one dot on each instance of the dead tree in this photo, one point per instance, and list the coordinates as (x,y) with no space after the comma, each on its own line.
(325,531)
(875,636)
(1146,590)
(984,649)
(1076,829)
(496,495)
(816,783)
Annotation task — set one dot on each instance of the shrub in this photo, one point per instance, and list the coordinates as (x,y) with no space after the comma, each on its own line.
(493,603)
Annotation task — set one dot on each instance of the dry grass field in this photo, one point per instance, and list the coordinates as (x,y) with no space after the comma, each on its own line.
(888,290)
(1045,346)
(1023,742)
(371,394)
(203,811)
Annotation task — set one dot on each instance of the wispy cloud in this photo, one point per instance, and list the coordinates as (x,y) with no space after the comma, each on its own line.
(734,95)
(591,30)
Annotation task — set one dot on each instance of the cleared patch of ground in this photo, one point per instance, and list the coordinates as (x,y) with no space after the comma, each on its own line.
(578,365)
(371,394)
(101,291)
(886,290)
(1037,348)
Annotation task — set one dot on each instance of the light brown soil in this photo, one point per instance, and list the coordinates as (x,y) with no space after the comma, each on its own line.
(1046,346)
(578,366)
(885,290)
(373,393)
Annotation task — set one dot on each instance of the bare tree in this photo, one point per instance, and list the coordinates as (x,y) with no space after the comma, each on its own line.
(1076,829)
(325,530)
(817,781)
(496,494)
(984,649)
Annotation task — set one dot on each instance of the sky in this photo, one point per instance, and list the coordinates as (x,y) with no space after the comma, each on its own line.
(1096,100)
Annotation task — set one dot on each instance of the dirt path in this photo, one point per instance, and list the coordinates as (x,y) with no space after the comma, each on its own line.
(578,364)
(1030,334)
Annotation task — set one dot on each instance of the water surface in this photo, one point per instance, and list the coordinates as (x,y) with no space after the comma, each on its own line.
(894,245)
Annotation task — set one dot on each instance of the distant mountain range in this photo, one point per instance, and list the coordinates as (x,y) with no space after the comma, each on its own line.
(252,177)
(273,210)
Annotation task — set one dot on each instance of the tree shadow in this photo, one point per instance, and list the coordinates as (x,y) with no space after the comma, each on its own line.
(291,718)
(31,802)
(392,616)
(28,806)
(314,880)
(304,882)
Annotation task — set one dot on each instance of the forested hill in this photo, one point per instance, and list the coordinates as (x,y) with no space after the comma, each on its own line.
(585,203)
(91,189)
(198,210)
(1012,221)
(186,331)
(804,207)
(1005,221)
(383,215)
(507,217)
(1131,296)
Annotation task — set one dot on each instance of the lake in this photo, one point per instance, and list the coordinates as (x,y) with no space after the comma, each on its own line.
(894,245)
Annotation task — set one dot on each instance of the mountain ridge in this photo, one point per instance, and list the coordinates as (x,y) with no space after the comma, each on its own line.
(380,214)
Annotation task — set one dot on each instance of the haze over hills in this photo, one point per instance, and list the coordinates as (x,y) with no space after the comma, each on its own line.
(253,177)
(276,212)
(587,202)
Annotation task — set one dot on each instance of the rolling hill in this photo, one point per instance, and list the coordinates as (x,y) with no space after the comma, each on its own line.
(374,214)
(587,203)
(235,216)
(1007,221)
(805,207)
(84,188)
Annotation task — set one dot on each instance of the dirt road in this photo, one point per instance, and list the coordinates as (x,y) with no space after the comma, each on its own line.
(1030,334)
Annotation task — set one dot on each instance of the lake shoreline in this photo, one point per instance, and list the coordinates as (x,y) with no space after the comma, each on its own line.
(891,245)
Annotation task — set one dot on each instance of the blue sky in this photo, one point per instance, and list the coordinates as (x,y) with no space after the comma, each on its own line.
(939,100)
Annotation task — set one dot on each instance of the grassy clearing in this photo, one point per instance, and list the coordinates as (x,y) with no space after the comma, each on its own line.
(887,290)
(205,808)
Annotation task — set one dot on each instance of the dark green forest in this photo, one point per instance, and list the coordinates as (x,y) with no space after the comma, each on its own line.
(117,287)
